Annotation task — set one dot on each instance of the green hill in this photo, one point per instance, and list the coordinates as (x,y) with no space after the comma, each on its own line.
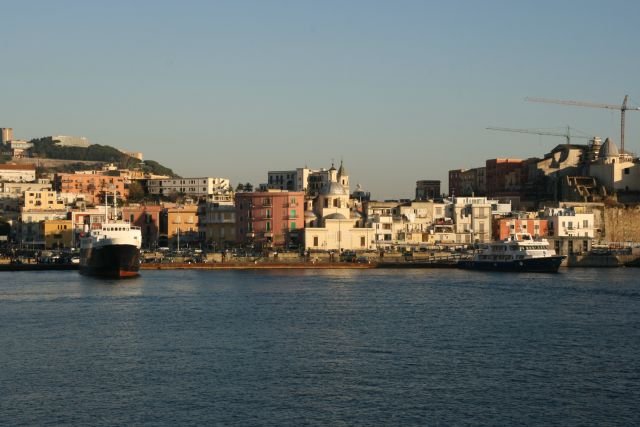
(47,148)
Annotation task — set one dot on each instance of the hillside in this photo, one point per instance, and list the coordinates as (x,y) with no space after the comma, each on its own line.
(45,148)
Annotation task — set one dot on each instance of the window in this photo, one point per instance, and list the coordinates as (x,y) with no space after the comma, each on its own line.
(315,241)
(362,241)
(292,213)
(268,225)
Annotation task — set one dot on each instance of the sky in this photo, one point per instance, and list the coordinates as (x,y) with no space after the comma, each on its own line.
(398,90)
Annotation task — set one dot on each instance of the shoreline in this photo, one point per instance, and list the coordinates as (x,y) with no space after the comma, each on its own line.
(600,262)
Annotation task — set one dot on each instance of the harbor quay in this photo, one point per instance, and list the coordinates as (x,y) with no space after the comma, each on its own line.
(291,260)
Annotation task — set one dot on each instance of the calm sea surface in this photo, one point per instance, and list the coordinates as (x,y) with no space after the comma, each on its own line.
(422,347)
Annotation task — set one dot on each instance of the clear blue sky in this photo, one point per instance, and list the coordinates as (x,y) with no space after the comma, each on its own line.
(401,90)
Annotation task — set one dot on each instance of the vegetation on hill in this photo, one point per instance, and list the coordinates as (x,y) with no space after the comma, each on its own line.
(47,148)
(156,168)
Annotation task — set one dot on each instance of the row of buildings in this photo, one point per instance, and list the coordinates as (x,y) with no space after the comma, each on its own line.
(301,209)
(561,195)
(570,172)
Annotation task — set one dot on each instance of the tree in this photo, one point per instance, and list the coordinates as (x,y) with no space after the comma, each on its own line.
(248,187)
(136,192)
(240,188)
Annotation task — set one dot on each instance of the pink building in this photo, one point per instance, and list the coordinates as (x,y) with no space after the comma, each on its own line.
(92,186)
(270,219)
(148,219)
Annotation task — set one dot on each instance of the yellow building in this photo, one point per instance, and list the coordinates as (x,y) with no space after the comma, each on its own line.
(182,225)
(57,233)
(43,201)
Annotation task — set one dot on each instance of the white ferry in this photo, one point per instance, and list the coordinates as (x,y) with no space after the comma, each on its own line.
(111,249)
(518,252)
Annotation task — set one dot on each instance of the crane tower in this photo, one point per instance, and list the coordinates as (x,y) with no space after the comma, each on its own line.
(623,108)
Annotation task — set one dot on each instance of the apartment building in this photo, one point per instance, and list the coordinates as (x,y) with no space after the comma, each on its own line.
(217,220)
(270,219)
(94,187)
(147,217)
(472,219)
(197,187)
(57,233)
(43,201)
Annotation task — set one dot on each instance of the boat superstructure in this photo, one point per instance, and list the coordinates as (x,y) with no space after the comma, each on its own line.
(518,252)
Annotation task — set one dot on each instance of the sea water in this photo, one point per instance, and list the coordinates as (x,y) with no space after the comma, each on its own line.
(341,347)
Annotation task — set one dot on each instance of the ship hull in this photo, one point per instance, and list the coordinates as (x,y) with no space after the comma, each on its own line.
(533,265)
(110,261)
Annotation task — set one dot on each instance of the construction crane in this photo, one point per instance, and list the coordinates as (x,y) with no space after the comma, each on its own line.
(623,108)
(567,135)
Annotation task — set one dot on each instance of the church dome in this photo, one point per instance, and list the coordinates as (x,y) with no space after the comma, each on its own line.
(335,216)
(608,149)
(310,215)
(334,189)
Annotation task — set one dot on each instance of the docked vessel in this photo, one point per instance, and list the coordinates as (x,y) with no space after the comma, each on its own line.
(111,249)
(518,252)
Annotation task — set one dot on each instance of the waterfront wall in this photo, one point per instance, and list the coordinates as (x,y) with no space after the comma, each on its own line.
(622,224)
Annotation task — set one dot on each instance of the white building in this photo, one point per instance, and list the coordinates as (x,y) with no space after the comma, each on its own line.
(197,187)
(565,222)
(331,224)
(407,224)
(291,180)
(614,170)
(18,144)
(17,173)
(472,219)
(70,141)
(380,217)
(305,179)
